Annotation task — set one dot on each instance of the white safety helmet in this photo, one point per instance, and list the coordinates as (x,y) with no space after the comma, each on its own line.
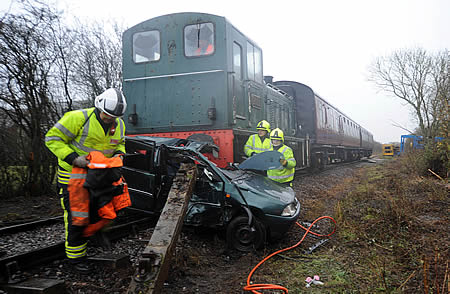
(112,102)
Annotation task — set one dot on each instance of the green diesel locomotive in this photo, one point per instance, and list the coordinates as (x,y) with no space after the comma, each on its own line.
(193,73)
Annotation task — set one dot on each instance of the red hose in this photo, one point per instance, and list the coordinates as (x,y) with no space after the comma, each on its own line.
(255,287)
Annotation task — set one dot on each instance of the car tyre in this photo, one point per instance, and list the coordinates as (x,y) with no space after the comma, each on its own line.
(242,237)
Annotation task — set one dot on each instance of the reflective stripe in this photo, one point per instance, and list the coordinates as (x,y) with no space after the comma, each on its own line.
(63,181)
(280,177)
(86,127)
(64,130)
(254,148)
(48,139)
(97,165)
(80,214)
(87,149)
(260,149)
(76,251)
(77,248)
(78,176)
(84,148)
(63,176)
(291,159)
(75,255)
(63,171)
(65,215)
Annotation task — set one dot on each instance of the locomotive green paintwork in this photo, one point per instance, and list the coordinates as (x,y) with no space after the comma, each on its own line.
(183,93)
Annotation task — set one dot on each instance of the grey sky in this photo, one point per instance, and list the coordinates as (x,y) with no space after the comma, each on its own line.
(324,44)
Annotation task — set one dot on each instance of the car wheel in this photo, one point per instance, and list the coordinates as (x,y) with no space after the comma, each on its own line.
(242,237)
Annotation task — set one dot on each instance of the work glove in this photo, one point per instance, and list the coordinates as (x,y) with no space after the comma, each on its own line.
(80,161)
(283,161)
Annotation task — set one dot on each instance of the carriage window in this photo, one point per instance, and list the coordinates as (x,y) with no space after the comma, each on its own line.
(146,46)
(237,68)
(199,39)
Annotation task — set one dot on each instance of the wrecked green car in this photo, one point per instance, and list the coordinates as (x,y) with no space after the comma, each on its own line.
(247,206)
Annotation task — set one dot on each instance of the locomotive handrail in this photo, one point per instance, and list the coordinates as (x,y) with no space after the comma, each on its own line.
(174,75)
(174,126)
(278,90)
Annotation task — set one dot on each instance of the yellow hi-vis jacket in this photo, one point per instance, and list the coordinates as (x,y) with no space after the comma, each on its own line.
(80,131)
(254,144)
(284,173)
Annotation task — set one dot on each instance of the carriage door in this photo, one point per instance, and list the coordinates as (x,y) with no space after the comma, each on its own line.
(341,129)
(237,85)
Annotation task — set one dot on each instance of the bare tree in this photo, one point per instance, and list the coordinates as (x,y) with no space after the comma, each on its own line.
(417,78)
(99,58)
(46,69)
(27,67)
(441,81)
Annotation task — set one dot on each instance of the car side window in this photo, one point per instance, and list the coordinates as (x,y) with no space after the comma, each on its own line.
(138,156)
(139,160)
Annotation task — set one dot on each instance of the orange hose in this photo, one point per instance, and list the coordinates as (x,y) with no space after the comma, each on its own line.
(255,287)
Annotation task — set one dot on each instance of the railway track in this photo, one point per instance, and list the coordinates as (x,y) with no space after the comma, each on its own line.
(40,244)
(34,244)
(329,167)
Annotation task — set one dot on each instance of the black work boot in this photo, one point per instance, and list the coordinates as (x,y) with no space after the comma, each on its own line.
(81,265)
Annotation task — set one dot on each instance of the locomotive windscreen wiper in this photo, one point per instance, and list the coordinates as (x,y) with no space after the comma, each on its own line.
(198,36)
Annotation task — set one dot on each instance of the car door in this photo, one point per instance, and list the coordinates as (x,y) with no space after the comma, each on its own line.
(140,174)
(205,206)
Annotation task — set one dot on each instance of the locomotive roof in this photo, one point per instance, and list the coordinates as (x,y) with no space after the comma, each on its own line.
(208,15)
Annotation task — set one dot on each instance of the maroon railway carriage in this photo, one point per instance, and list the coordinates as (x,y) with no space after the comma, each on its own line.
(334,136)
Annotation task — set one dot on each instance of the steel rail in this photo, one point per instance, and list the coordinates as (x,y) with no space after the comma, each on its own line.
(30,225)
(10,265)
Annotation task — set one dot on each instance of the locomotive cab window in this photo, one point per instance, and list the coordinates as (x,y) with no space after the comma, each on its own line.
(199,39)
(237,68)
(146,46)
(254,63)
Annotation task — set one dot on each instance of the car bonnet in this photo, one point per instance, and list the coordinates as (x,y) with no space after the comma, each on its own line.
(264,187)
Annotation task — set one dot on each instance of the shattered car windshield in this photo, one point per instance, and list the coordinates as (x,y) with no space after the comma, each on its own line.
(236,174)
